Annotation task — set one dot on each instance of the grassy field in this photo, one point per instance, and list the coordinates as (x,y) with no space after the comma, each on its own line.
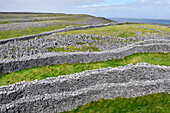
(29,31)
(43,72)
(56,21)
(161,28)
(153,103)
(33,17)
(117,31)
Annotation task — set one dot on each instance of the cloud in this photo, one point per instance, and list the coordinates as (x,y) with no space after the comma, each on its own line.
(142,1)
(39,2)
(155,1)
(45,5)
(138,9)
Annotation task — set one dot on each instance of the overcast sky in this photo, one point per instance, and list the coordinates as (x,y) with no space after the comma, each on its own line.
(107,8)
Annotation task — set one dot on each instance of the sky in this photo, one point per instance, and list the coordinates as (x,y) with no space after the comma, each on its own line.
(154,9)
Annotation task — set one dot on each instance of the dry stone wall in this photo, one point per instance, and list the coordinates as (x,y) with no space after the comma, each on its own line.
(69,28)
(155,30)
(16,49)
(83,57)
(66,92)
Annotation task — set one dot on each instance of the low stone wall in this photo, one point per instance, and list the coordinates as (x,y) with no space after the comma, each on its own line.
(79,42)
(8,66)
(3,41)
(66,92)
(155,30)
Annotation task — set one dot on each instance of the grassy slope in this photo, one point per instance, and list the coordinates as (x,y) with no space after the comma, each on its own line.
(126,31)
(149,103)
(153,103)
(114,31)
(43,72)
(161,28)
(30,31)
(10,17)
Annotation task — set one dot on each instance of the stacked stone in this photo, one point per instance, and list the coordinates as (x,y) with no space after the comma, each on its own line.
(82,57)
(66,92)
(20,48)
(3,41)
(27,23)
(155,30)
(23,25)
(30,19)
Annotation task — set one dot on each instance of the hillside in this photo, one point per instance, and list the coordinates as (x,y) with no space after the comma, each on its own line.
(81,63)
(21,24)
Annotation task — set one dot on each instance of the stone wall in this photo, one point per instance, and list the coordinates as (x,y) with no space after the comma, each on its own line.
(66,92)
(7,66)
(3,41)
(70,43)
(155,30)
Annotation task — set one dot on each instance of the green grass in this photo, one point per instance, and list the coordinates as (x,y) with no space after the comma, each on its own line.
(28,31)
(115,31)
(152,103)
(43,72)
(157,27)
(21,15)
(10,15)
(44,19)
(63,19)
(5,22)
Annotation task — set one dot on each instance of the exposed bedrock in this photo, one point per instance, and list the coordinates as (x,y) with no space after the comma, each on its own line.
(83,57)
(66,92)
